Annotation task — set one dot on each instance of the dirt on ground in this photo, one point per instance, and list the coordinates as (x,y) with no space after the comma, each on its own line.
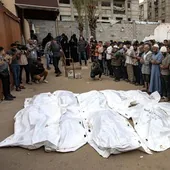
(85,158)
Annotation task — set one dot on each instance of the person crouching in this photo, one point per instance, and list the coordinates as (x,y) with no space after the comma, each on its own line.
(96,70)
(39,72)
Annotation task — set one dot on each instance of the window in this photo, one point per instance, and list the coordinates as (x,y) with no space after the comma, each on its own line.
(105,18)
(64,1)
(129,6)
(105,3)
(118,5)
(119,18)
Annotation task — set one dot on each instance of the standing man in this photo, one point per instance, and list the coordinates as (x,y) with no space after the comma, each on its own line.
(146,66)
(4,76)
(15,65)
(82,44)
(130,54)
(108,59)
(56,50)
(155,83)
(47,52)
(116,63)
(32,54)
(165,74)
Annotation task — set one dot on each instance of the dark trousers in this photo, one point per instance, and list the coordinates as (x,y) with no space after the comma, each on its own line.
(93,74)
(26,68)
(16,74)
(117,72)
(56,64)
(101,65)
(82,55)
(137,74)
(124,72)
(6,85)
(165,80)
(109,67)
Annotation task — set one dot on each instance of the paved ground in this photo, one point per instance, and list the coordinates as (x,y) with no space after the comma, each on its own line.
(85,158)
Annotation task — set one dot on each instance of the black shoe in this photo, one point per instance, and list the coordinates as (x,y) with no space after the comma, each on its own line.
(8,98)
(11,96)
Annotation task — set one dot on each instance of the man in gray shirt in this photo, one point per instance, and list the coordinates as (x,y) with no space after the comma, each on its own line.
(82,44)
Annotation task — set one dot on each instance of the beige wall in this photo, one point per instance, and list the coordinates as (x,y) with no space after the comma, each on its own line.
(10,5)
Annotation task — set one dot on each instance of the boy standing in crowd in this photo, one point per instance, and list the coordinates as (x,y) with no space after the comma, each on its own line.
(130,54)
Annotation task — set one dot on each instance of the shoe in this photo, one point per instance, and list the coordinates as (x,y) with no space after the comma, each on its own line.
(37,82)
(22,87)
(45,81)
(29,83)
(11,96)
(8,98)
(18,89)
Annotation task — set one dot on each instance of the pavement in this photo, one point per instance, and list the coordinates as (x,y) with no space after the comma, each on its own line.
(85,158)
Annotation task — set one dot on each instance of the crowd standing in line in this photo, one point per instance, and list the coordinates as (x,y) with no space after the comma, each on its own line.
(144,64)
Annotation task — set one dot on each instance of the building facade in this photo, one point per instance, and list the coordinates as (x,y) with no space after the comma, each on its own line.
(159,10)
(127,10)
(143,11)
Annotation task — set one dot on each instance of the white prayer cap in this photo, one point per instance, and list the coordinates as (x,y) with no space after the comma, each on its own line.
(125,47)
(163,49)
(115,46)
(156,45)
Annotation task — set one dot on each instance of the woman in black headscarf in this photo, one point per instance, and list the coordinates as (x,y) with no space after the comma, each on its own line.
(65,47)
(73,48)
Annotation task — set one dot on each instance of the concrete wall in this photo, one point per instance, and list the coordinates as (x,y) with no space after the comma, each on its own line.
(104,32)
(43,27)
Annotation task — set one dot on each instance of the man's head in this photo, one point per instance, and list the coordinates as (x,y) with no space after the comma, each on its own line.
(100,43)
(2,52)
(163,50)
(141,48)
(168,49)
(38,60)
(30,41)
(13,46)
(128,44)
(115,48)
(165,42)
(120,45)
(155,48)
(146,48)
(135,46)
(81,38)
(32,31)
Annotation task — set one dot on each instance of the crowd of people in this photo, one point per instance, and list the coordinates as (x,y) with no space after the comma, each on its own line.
(144,64)
(17,59)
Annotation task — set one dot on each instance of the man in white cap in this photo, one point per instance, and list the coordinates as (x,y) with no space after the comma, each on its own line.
(116,62)
(155,82)
(165,74)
